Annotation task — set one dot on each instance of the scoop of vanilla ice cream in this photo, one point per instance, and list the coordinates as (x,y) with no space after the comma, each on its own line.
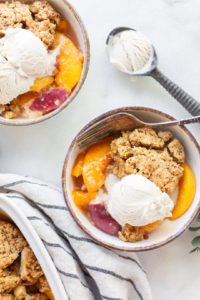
(129,51)
(137,201)
(23,58)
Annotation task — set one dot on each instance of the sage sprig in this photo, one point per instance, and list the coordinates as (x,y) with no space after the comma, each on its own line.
(196,240)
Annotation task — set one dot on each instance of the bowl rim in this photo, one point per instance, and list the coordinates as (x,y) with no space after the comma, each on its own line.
(83,227)
(26,122)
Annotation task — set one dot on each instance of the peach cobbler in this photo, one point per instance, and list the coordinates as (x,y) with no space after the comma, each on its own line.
(40,63)
(124,185)
(21,277)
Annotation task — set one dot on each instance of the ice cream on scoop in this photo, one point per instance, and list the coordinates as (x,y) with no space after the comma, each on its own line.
(129,51)
(23,58)
(137,201)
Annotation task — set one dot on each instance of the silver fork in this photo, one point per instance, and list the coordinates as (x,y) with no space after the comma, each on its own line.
(121,121)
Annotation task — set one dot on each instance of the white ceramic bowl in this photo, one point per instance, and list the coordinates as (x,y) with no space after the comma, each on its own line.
(11,212)
(168,230)
(68,12)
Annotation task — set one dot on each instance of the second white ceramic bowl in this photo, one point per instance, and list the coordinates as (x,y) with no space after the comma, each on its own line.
(168,230)
(71,15)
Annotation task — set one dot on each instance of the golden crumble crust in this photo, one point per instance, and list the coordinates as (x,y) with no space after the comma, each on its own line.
(177,151)
(45,31)
(38,17)
(43,285)
(36,297)
(7,297)
(165,135)
(121,147)
(8,281)
(157,166)
(145,156)
(30,269)
(11,244)
(117,168)
(131,233)
(146,137)
(42,10)
(21,276)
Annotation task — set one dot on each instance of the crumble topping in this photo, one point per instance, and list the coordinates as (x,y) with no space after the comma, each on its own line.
(147,153)
(131,233)
(36,297)
(177,151)
(21,276)
(7,297)
(38,17)
(146,137)
(11,243)
(43,285)
(42,10)
(8,280)
(30,269)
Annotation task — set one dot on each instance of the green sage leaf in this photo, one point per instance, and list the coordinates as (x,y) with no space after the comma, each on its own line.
(194,250)
(196,241)
(194,228)
(198,218)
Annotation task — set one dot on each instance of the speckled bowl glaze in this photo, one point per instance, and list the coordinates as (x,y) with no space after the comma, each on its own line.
(67,11)
(168,230)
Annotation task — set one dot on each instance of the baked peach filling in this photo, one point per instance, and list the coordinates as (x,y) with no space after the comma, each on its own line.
(68,73)
(114,155)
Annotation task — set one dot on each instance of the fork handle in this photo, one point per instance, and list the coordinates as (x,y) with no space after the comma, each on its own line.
(195,119)
(179,94)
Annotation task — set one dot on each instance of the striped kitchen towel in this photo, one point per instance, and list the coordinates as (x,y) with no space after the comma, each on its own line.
(88,270)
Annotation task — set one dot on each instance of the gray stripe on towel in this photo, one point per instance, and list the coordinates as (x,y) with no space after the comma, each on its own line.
(21,182)
(116,276)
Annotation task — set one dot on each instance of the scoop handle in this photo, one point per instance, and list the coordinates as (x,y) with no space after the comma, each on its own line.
(178,93)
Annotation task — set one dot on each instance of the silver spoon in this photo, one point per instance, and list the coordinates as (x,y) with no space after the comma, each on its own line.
(173,89)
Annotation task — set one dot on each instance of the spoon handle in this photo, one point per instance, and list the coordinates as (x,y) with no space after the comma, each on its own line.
(174,90)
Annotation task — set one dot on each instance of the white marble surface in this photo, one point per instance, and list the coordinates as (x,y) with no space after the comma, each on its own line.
(39,150)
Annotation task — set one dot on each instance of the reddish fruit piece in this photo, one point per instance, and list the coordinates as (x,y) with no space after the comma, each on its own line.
(102,219)
(50,100)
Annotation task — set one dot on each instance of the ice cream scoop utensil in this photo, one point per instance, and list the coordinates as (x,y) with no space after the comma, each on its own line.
(173,89)
(121,121)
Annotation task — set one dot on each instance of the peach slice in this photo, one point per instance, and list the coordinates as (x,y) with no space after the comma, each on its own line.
(82,198)
(96,160)
(62,26)
(187,190)
(24,98)
(70,63)
(150,227)
(49,294)
(42,83)
(78,166)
